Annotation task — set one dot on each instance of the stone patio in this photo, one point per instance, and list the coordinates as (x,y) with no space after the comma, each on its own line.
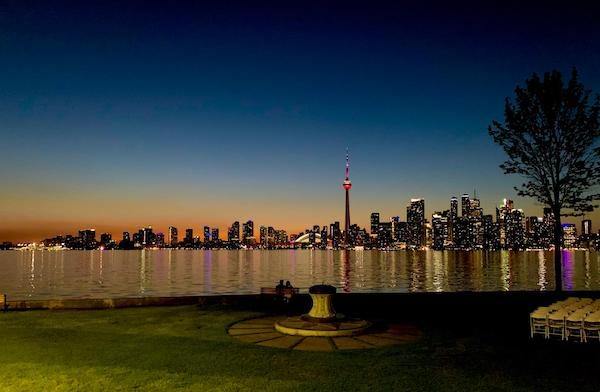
(261,331)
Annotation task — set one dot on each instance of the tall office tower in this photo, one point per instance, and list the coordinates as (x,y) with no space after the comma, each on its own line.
(126,236)
(439,226)
(206,234)
(189,236)
(452,217)
(384,234)
(415,218)
(149,238)
(395,220)
(347,185)
(215,234)
(569,235)
(262,236)
(586,227)
(491,233)
(476,229)
(501,213)
(172,236)
(324,237)
(248,232)
(462,233)
(233,234)
(475,210)
(514,223)
(535,232)
(160,240)
(335,234)
(548,229)
(466,205)
(402,232)
(374,223)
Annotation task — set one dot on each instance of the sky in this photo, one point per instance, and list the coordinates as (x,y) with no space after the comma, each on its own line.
(118,115)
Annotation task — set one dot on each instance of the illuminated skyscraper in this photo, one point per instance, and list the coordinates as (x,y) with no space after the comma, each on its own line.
(149,238)
(475,210)
(569,235)
(462,233)
(491,233)
(263,238)
(172,236)
(384,234)
(160,240)
(248,232)
(215,234)
(271,235)
(466,205)
(374,223)
(324,237)
(335,234)
(514,223)
(206,234)
(439,225)
(452,217)
(548,227)
(347,185)
(234,232)
(534,227)
(415,218)
(501,214)
(395,220)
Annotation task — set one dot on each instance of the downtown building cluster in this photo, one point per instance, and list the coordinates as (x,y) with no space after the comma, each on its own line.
(464,226)
(238,236)
(471,228)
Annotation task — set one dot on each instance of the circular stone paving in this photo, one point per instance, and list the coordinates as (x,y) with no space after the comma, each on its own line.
(262,331)
(299,326)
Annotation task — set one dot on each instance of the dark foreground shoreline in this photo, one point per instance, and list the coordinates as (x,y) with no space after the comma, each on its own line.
(503,310)
(370,303)
(471,341)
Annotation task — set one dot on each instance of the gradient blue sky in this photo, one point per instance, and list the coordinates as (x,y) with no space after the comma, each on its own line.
(118,115)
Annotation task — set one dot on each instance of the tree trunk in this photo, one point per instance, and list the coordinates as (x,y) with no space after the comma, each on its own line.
(557,251)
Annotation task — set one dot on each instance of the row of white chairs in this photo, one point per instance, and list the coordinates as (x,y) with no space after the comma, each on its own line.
(573,318)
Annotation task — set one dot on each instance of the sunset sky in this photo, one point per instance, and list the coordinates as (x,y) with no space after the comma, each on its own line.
(126,114)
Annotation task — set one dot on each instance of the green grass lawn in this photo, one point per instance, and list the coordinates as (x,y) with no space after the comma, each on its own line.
(187,348)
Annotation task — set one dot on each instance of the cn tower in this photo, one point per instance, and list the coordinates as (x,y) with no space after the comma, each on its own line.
(347,185)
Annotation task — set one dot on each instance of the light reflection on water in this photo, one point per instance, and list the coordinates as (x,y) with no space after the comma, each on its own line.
(67,274)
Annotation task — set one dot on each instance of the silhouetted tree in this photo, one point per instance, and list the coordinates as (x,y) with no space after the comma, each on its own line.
(551,135)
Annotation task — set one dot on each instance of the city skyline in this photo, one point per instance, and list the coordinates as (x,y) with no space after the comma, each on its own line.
(361,218)
(429,214)
(416,219)
(230,117)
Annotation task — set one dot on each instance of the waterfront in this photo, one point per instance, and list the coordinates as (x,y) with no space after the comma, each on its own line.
(110,274)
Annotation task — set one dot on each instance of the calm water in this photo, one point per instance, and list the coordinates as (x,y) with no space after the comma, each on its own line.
(68,274)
